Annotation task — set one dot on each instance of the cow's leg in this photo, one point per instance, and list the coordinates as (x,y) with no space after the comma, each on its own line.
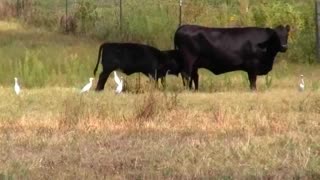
(190,82)
(184,78)
(102,80)
(252,79)
(183,81)
(195,78)
(189,61)
(189,78)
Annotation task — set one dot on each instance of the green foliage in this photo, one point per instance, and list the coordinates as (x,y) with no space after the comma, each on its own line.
(31,69)
(154,22)
(86,13)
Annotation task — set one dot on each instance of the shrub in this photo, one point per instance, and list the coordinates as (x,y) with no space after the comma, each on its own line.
(86,13)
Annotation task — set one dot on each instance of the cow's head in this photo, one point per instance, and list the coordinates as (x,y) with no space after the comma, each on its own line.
(277,40)
(283,33)
(172,62)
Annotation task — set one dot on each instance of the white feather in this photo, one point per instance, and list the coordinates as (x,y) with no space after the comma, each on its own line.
(116,78)
(119,83)
(87,87)
(16,86)
(301,84)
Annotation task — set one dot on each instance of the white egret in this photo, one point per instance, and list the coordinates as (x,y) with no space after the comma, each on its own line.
(16,86)
(119,83)
(301,84)
(87,87)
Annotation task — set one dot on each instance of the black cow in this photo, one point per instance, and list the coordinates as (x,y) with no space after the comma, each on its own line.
(131,58)
(221,50)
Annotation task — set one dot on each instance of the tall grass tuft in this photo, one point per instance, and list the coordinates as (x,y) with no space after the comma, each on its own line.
(268,80)
(148,108)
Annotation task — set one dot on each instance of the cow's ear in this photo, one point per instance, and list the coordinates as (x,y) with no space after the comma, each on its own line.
(288,27)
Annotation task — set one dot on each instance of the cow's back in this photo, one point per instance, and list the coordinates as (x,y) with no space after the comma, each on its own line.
(199,38)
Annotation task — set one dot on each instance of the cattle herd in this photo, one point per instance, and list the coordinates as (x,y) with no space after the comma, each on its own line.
(220,50)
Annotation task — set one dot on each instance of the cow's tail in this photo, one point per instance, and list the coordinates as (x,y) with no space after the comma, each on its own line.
(175,41)
(99,57)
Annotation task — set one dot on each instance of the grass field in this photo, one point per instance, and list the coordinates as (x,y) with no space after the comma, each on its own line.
(55,133)
(224,131)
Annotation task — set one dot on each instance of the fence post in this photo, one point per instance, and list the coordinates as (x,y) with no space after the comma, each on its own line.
(180,13)
(120,16)
(317,9)
(66,22)
(18,6)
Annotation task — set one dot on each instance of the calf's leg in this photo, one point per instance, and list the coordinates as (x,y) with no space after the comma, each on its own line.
(194,78)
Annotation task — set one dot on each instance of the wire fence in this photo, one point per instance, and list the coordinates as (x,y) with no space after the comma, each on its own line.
(155,21)
(317,12)
(116,12)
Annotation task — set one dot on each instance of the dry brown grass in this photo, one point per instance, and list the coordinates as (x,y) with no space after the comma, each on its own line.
(55,133)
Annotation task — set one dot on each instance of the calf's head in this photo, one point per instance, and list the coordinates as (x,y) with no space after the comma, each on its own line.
(171,62)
